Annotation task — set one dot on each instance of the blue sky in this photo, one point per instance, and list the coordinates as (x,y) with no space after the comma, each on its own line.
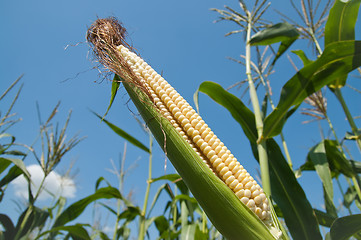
(45,41)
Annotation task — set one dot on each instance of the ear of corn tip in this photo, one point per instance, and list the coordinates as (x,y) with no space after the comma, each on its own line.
(197,133)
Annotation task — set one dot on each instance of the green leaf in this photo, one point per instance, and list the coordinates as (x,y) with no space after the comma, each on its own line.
(165,187)
(324,219)
(175,178)
(340,26)
(234,105)
(188,232)
(124,134)
(8,226)
(290,197)
(345,227)
(18,164)
(130,213)
(280,32)
(318,156)
(301,54)
(338,162)
(350,196)
(115,87)
(341,21)
(233,219)
(36,218)
(337,60)
(199,235)
(77,231)
(161,224)
(299,215)
(351,136)
(74,210)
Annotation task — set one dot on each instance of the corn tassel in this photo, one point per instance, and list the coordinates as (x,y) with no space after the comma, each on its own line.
(197,133)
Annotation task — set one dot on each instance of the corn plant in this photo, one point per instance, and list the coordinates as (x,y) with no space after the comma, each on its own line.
(208,168)
(49,222)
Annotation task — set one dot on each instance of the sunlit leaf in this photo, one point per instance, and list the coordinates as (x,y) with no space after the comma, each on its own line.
(318,156)
(77,208)
(35,217)
(297,210)
(337,60)
(351,136)
(15,171)
(234,105)
(290,197)
(338,162)
(340,26)
(114,90)
(301,54)
(124,134)
(280,32)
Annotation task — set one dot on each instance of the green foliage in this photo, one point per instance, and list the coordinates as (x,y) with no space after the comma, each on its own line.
(195,191)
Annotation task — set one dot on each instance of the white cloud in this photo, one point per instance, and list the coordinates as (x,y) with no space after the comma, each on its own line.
(54,184)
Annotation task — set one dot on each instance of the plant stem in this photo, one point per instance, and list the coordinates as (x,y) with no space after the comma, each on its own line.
(142,230)
(342,193)
(349,117)
(284,144)
(261,146)
(318,47)
(120,188)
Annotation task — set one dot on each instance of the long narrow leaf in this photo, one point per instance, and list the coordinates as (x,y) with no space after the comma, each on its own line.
(74,210)
(345,227)
(286,191)
(318,157)
(341,21)
(280,32)
(290,197)
(232,218)
(337,60)
(341,26)
(234,105)
(124,134)
(115,87)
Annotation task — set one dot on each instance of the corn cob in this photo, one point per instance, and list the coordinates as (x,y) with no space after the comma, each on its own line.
(107,37)
(197,133)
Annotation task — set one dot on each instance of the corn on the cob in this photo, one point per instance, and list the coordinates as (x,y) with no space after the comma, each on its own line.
(197,133)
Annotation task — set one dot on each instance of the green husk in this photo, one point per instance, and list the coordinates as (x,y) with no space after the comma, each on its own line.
(227,213)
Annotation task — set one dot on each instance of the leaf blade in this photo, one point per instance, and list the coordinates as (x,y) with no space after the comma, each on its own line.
(123,134)
(337,60)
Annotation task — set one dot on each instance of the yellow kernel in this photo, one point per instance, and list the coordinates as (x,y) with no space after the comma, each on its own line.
(224,170)
(203,145)
(251,203)
(187,126)
(257,200)
(206,150)
(255,194)
(220,167)
(238,187)
(249,185)
(200,142)
(217,162)
(245,200)
(247,193)
(234,184)
(210,154)
(214,158)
